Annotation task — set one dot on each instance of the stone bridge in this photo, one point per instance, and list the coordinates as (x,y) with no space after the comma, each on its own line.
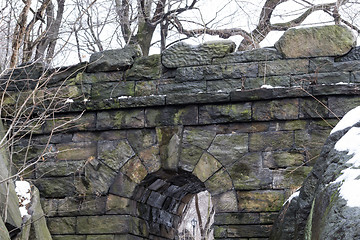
(137,137)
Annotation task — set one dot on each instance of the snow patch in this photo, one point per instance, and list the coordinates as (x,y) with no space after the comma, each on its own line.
(124,97)
(294,195)
(349,177)
(348,120)
(69,100)
(341,83)
(270,87)
(23,191)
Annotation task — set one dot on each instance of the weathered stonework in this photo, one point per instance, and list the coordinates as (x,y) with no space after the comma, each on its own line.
(155,131)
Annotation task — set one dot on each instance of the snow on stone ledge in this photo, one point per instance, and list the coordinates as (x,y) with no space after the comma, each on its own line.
(23,192)
(294,195)
(350,118)
(349,177)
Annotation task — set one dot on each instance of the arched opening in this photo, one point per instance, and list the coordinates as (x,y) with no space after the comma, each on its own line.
(166,201)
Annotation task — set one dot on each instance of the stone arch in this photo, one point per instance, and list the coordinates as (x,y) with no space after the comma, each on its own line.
(153,196)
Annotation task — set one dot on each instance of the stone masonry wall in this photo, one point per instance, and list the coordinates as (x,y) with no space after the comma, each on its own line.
(153,131)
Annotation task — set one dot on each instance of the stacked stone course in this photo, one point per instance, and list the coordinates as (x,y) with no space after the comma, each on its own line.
(157,130)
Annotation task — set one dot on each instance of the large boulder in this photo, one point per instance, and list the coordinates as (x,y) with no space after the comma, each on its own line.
(114,60)
(327,206)
(334,40)
(9,202)
(183,54)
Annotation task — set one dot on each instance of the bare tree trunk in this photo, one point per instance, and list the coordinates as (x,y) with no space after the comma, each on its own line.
(19,34)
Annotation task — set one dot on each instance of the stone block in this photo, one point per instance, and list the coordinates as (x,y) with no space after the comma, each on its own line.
(56,187)
(189,156)
(206,167)
(122,186)
(75,151)
(209,114)
(65,123)
(96,181)
(175,99)
(224,85)
(120,119)
(288,125)
(290,178)
(147,67)
(260,201)
(243,232)
(111,224)
(185,74)
(199,136)
(151,158)
(62,225)
(274,81)
(311,142)
(134,169)
(4,234)
(187,87)
(100,237)
(283,67)
(60,168)
(171,116)
(255,55)
(327,64)
(120,205)
(236,218)
(274,160)
(115,153)
(268,217)
(69,237)
(284,109)
(227,148)
(141,139)
(156,199)
(219,183)
(320,78)
(313,108)
(341,105)
(146,88)
(182,54)
(247,173)
(225,202)
(271,141)
(333,40)
(239,70)
(113,60)
(93,205)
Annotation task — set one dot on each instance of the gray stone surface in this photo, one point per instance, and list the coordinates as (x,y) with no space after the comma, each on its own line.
(113,60)
(334,40)
(326,206)
(182,54)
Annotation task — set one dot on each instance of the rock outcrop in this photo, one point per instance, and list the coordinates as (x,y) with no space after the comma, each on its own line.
(328,204)
(334,40)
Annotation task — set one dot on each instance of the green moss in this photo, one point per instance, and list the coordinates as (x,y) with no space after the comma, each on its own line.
(308,227)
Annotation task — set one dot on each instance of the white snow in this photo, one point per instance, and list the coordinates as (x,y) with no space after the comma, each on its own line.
(24,194)
(341,83)
(69,100)
(270,87)
(86,100)
(295,194)
(348,120)
(349,189)
(124,97)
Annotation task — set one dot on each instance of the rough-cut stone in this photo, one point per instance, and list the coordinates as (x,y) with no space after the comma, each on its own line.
(135,170)
(8,199)
(218,183)
(206,166)
(353,55)
(3,232)
(326,207)
(260,201)
(171,116)
(62,225)
(282,140)
(332,40)
(120,119)
(284,67)
(145,68)
(115,153)
(113,60)
(225,202)
(227,148)
(224,113)
(182,54)
(242,232)
(260,54)
(247,173)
